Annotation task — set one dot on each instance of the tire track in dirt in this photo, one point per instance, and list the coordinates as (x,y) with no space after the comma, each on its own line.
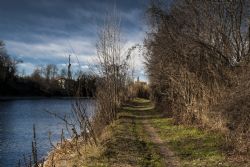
(170,159)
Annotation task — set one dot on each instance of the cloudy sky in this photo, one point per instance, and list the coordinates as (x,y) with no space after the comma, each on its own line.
(47,31)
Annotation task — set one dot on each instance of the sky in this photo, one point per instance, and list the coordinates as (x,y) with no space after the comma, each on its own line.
(42,32)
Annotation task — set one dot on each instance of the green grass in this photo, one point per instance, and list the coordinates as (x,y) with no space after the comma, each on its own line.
(194,147)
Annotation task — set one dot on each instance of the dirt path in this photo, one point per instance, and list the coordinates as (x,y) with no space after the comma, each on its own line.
(169,157)
(142,137)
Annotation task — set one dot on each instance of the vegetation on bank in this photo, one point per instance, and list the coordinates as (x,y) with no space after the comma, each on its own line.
(122,143)
(198,64)
(126,142)
(28,87)
(45,80)
(111,91)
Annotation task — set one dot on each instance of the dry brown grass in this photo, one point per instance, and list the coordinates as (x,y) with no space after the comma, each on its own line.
(70,154)
(235,111)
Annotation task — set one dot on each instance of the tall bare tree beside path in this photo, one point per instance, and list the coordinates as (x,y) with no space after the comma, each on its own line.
(112,66)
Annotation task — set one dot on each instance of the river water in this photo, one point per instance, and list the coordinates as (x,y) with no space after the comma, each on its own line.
(16,122)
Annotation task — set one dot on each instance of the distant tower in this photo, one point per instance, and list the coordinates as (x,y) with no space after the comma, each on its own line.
(138,79)
(69,69)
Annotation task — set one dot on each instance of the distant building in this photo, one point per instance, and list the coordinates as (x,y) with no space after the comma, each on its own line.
(138,82)
(61,82)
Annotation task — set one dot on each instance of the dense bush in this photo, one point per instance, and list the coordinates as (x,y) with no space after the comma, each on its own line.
(197,53)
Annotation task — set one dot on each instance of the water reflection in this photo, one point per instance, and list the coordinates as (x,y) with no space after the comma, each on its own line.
(17,118)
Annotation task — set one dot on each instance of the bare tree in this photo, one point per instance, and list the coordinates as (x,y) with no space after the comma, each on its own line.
(63,72)
(112,65)
(194,51)
(54,71)
(8,65)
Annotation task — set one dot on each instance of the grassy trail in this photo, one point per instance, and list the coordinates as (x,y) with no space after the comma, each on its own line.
(142,137)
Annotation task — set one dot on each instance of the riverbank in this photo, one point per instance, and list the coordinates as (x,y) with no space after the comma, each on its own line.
(143,137)
(17,118)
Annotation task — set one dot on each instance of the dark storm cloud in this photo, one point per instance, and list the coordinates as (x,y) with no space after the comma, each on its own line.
(44,31)
(25,19)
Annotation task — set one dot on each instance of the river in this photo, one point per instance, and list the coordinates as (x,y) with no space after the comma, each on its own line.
(16,122)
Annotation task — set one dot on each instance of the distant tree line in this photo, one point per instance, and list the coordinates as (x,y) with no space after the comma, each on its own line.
(8,69)
(45,80)
(7,65)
